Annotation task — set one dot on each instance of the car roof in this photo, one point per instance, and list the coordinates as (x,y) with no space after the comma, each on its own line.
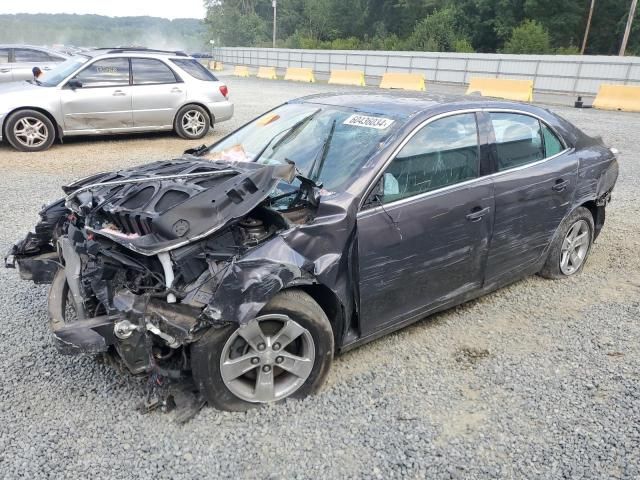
(134,51)
(407,104)
(34,47)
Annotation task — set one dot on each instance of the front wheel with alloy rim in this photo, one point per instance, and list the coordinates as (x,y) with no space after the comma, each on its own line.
(192,122)
(29,131)
(286,351)
(571,245)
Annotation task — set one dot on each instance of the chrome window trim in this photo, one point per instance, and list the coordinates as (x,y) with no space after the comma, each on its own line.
(392,205)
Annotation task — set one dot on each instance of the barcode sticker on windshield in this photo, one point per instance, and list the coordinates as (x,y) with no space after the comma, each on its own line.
(378,123)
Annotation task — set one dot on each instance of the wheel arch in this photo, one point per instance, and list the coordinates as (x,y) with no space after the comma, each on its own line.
(43,111)
(330,304)
(598,214)
(199,104)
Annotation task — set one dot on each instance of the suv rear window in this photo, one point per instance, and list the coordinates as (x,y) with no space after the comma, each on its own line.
(195,69)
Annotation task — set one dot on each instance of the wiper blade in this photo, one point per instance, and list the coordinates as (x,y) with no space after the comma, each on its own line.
(290,131)
(322,155)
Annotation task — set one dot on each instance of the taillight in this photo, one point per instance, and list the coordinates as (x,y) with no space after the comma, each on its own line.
(224,91)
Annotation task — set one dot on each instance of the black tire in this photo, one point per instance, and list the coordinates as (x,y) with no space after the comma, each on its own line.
(299,306)
(181,118)
(44,127)
(552,268)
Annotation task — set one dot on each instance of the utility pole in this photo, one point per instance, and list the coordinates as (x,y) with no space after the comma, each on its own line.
(627,29)
(586,30)
(274,4)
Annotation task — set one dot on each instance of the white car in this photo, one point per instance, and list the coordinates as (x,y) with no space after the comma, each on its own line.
(109,91)
(17,61)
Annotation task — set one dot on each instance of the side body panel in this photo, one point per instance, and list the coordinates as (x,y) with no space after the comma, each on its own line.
(530,204)
(97,108)
(420,254)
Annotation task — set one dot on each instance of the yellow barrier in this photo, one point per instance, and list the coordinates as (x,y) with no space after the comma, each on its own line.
(347,77)
(241,71)
(520,90)
(299,75)
(403,81)
(618,97)
(218,67)
(268,73)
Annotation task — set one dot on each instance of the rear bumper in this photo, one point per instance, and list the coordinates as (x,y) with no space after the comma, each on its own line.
(221,111)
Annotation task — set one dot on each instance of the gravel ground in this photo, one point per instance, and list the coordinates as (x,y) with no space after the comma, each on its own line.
(538,380)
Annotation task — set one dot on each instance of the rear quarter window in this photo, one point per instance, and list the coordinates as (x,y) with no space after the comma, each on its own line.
(195,69)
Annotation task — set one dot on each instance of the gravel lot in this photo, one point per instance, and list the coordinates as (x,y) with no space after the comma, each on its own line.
(538,380)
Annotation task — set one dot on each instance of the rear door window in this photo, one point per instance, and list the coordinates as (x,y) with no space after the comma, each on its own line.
(109,72)
(195,69)
(27,55)
(148,71)
(442,153)
(552,144)
(4,56)
(518,139)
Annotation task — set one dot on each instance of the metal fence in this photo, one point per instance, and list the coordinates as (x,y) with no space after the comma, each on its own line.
(554,73)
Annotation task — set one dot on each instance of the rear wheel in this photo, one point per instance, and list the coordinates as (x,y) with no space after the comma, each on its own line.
(284,352)
(29,131)
(192,122)
(571,246)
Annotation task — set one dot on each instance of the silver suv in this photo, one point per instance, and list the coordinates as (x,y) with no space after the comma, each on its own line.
(109,91)
(17,61)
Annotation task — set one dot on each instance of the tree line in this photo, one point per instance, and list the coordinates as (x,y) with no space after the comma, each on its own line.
(102,31)
(507,26)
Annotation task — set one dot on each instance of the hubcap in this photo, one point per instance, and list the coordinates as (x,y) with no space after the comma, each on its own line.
(267,359)
(575,247)
(30,132)
(193,122)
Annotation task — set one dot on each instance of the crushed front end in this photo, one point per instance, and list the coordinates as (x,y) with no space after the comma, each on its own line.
(136,258)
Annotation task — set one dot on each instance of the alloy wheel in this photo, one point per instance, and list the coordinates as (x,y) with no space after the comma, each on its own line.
(193,122)
(267,359)
(30,132)
(575,247)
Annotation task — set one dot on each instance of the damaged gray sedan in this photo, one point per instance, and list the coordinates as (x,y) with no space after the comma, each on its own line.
(321,225)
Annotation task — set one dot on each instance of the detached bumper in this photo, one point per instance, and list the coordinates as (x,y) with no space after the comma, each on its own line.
(221,111)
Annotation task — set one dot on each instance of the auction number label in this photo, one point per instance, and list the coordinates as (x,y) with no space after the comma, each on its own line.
(378,123)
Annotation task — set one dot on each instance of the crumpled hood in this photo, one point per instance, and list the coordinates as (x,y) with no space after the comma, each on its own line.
(160,206)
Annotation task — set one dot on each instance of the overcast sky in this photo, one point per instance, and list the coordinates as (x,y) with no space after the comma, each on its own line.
(113,8)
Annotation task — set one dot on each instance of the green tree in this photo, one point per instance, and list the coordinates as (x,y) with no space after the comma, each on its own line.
(437,32)
(530,37)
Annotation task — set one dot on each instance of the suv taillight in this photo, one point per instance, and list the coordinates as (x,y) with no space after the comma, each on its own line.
(224,91)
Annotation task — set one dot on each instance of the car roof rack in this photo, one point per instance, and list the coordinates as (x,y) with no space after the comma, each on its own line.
(141,50)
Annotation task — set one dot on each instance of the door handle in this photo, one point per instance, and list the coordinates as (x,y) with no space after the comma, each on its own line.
(176,90)
(477,213)
(119,93)
(560,185)
(4,70)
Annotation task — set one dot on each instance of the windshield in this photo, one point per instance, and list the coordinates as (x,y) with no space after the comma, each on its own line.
(328,144)
(62,71)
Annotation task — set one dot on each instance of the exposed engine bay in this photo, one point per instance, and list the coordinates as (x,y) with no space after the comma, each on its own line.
(142,261)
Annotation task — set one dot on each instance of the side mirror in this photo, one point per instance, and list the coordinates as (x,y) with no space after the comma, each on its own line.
(74,83)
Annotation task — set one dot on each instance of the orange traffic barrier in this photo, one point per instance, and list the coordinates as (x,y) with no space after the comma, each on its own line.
(268,73)
(241,71)
(347,77)
(618,97)
(403,81)
(520,90)
(299,75)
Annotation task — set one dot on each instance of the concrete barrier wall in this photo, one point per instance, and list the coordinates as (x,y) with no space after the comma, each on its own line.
(557,73)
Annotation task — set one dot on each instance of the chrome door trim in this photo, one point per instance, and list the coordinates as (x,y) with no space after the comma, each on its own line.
(466,182)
